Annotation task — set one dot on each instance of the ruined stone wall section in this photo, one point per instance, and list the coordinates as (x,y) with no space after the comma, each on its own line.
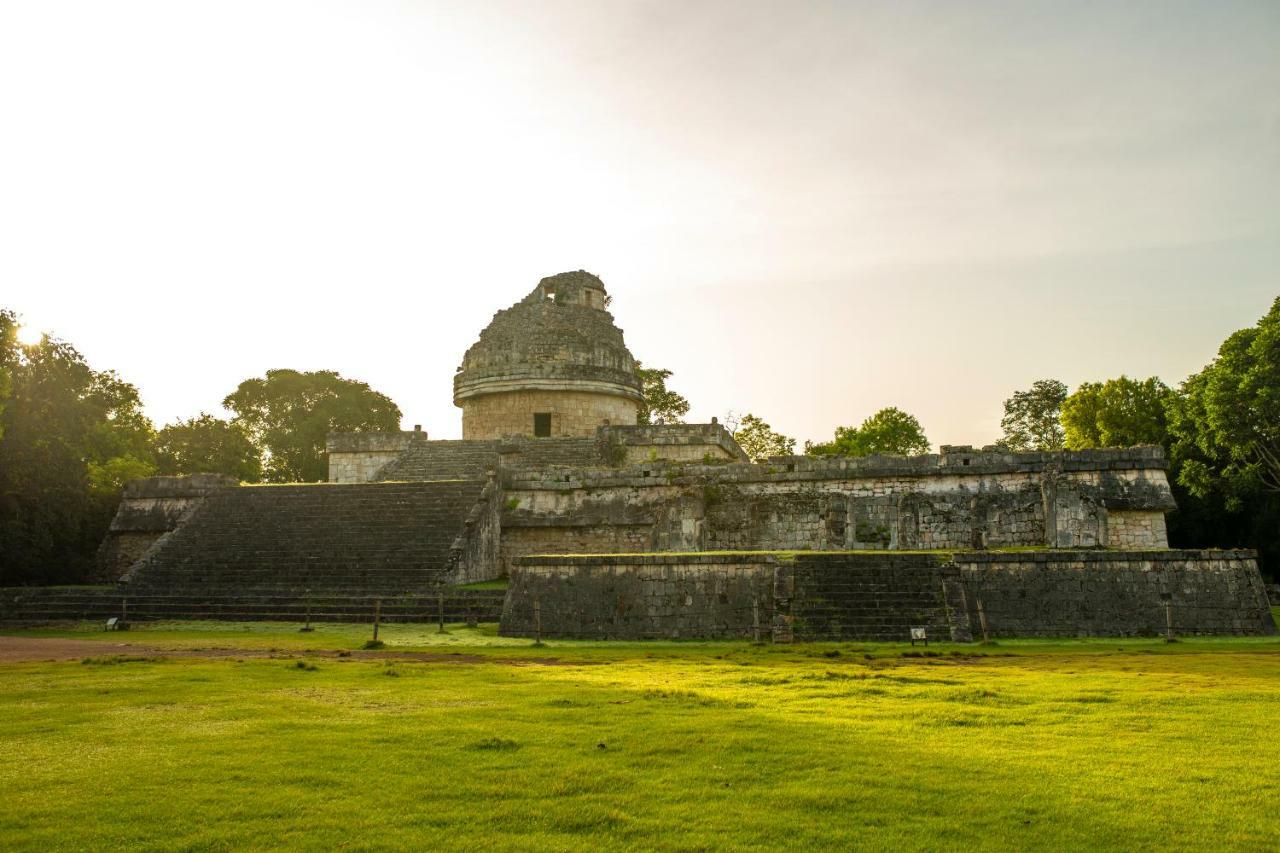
(573,413)
(358,467)
(359,457)
(649,597)
(1134,529)
(1115,593)
(597,539)
(149,508)
(883,596)
(1058,502)
(475,555)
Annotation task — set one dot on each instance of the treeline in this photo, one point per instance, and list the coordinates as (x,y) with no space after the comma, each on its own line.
(72,436)
(1220,429)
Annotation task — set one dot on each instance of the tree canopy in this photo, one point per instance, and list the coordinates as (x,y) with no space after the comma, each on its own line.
(1120,412)
(8,357)
(1032,418)
(289,415)
(71,437)
(889,431)
(1225,423)
(660,403)
(206,444)
(758,440)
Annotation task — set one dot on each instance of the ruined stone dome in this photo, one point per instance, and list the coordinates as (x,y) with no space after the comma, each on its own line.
(558,339)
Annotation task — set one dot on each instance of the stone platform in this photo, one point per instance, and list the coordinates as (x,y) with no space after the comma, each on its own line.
(881,596)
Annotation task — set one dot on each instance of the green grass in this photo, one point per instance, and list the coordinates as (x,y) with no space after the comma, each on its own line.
(1132,744)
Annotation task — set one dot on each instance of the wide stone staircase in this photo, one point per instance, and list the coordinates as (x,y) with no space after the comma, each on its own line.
(36,605)
(874,596)
(443,460)
(369,539)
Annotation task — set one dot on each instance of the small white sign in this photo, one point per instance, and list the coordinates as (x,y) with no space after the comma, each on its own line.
(918,634)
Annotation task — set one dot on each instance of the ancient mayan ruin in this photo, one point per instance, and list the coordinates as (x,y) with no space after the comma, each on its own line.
(674,531)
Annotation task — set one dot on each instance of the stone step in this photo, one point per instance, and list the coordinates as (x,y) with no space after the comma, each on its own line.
(371,538)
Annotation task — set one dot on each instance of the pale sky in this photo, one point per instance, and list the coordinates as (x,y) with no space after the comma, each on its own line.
(807,211)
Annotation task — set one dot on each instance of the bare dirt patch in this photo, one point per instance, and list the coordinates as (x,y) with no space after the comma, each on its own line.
(30,649)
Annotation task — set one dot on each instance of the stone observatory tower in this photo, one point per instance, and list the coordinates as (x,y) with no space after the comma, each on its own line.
(553,364)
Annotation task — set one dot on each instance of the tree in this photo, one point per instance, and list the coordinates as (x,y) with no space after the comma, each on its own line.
(289,414)
(1225,423)
(660,403)
(1120,412)
(1032,418)
(889,431)
(208,445)
(8,357)
(71,437)
(758,440)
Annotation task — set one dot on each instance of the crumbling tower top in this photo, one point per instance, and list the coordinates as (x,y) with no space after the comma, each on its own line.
(553,364)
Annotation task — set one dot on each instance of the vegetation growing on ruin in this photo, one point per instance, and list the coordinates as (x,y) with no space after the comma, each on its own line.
(491,742)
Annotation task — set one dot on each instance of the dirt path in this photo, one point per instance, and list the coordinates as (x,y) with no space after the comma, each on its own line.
(28,649)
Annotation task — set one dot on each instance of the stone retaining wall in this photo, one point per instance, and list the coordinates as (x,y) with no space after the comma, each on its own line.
(640,597)
(1115,593)
(870,596)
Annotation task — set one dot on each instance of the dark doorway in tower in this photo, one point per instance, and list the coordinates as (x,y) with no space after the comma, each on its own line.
(542,424)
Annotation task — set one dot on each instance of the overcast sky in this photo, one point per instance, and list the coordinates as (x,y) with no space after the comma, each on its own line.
(807,211)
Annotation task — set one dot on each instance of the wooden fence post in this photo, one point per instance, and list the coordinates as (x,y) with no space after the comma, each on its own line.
(537,621)
(440,611)
(377,617)
(755,618)
(982,620)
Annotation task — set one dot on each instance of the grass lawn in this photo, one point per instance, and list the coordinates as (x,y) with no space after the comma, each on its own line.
(491,742)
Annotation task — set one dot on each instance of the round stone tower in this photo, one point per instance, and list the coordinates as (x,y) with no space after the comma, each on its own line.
(553,364)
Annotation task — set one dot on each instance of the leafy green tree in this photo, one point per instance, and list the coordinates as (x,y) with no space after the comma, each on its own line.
(660,403)
(758,440)
(889,431)
(1032,417)
(208,445)
(1225,422)
(71,436)
(1120,412)
(8,357)
(289,414)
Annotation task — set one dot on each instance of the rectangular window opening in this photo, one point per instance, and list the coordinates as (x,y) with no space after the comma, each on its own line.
(542,424)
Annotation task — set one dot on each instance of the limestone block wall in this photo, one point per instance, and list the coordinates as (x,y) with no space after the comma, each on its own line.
(640,597)
(476,553)
(149,508)
(994,501)
(358,467)
(360,457)
(594,539)
(881,596)
(1115,593)
(573,412)
(1130,529)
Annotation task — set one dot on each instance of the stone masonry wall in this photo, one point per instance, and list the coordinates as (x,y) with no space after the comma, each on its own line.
(881,596)
(993,501)
(598,539)
(359,457)
(640,597)
(149,508)
(1115,593)
(1132,529)
(573,413)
